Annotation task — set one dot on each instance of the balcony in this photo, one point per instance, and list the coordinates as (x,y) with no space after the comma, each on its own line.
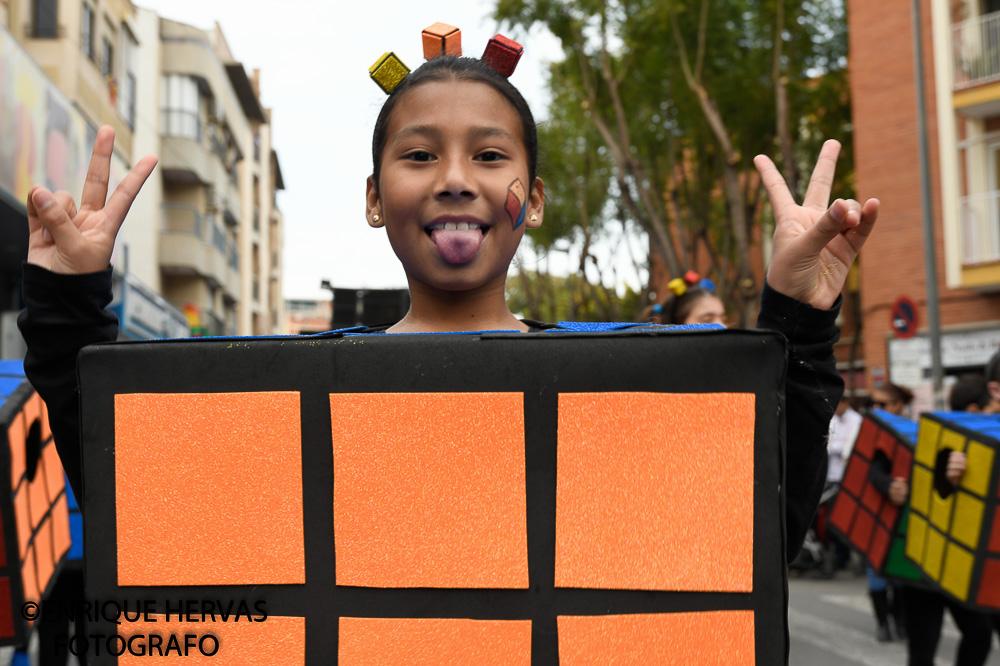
(981,228)
(193,244)
(976,65)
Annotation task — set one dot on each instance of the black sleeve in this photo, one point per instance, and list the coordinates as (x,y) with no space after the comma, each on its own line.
(63,314)
(813,388)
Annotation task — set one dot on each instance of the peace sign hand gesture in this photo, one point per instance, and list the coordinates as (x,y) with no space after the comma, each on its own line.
(814,246)
(64,239)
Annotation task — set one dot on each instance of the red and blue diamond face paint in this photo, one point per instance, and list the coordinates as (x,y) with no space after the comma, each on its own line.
(517,202)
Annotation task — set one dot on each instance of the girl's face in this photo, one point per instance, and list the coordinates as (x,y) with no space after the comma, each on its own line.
(454,194)
(707,310)
(882,400)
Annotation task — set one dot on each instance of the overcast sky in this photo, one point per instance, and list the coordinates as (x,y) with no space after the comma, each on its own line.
(314,59)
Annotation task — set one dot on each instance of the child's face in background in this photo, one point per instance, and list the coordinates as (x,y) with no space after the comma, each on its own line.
(454,192)
(707,310)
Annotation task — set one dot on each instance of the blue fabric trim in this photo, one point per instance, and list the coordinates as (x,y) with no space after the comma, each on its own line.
(12,367)
(602,327)
(10,384)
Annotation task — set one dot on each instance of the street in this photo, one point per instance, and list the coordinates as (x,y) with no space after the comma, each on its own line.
(831,624)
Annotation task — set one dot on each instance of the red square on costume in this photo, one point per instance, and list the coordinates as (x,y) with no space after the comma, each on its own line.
(989,585)
(902,463)
(862,532)
(994,546)
(429,490)
(843,512)
(872,498)
(856,476)
(865,443)
(888,514)
(628,467)
(236,519)
(880,543)
(6,609)
(886,444)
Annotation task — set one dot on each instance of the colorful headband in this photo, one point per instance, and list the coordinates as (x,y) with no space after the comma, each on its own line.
(501,54)
(680,285)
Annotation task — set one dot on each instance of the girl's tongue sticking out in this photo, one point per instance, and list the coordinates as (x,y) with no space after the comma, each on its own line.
(457,245)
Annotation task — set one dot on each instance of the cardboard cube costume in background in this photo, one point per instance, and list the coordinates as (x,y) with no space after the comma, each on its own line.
(954,532)
(542,498)
(35,511)
(861,514)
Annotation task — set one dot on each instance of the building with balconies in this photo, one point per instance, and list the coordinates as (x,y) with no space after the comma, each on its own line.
(212,227)
(960,41)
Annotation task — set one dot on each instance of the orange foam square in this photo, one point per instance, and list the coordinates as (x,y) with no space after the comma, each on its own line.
(44,563)
(429,490)
(46,429)
(208,489)
(38,496)
(16,434)
(655,491)
(61,538)
(433,642)
(55,477)
(29,577)
(723,638)
(22,518)
(276,640)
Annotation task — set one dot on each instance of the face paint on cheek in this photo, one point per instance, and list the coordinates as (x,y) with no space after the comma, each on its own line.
(517,202)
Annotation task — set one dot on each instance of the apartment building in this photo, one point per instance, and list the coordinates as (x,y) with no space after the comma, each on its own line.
(961,74)
(201,250)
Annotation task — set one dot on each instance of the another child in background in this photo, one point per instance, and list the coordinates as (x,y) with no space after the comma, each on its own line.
(692,301)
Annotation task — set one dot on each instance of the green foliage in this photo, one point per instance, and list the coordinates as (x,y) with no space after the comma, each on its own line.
(656,101)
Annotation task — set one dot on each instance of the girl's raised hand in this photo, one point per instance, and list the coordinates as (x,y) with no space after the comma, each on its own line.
(814,246)
(65,239)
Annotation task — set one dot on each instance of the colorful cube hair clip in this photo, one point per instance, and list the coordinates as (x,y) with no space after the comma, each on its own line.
(502,54)
(441,39)
(388,71)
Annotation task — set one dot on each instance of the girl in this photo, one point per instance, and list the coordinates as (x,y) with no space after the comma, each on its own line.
(454,186)
(692,302)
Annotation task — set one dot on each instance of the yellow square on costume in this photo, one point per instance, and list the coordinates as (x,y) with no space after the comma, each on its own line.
(934,554)
(953,440)
(958,564)
(916,534)
(927,442)
(941,511)
(968,519)
(978,468)
(920,493)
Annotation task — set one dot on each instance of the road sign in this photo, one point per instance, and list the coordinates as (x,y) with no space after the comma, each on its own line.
(903,317)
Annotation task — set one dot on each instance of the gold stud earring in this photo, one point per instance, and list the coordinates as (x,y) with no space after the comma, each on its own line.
(375,218)
(533,218)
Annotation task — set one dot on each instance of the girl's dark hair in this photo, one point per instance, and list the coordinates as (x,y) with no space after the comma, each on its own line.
(898,393)
(677,309)
(444,68)
(970,389)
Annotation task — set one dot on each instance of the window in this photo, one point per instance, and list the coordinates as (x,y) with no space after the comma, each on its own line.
(108,51)
(126,104)
(44,24)
(181,111)
(87,31)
